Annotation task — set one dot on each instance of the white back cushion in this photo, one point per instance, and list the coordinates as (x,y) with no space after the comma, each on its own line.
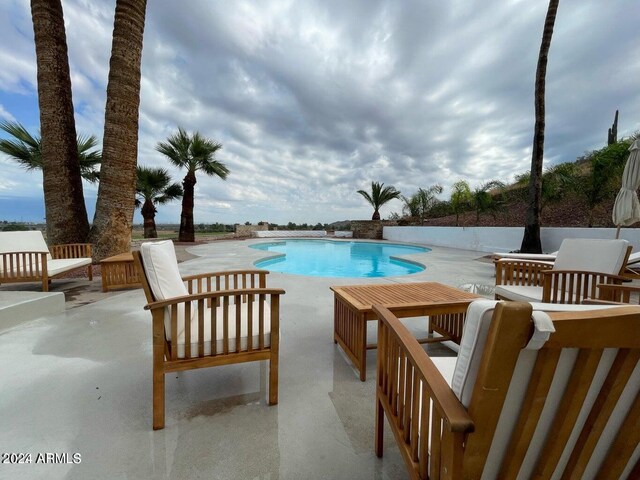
(165,282)
(161,267)
(31,241)
(594,255)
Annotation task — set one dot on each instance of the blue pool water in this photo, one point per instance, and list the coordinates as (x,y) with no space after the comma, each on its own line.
(326,258)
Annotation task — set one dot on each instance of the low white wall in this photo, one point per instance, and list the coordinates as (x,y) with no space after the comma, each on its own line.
(500,239)
(290,233)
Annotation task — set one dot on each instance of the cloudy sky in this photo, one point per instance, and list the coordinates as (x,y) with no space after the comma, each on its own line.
(312,100)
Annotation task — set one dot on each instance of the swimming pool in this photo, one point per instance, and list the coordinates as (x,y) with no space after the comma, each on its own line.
(328,258)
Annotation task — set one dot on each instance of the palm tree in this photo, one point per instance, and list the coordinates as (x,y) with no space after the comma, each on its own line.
(65,210)
(531,241)
(460,198)
(193,153)
(421,202)
(379,196)
(153,188)
(26,149)
(113,220)
(483,201)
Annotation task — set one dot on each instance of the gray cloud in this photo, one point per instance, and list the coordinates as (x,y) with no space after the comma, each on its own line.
(314,100)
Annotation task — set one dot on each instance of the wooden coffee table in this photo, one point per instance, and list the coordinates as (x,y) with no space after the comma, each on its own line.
(445,306)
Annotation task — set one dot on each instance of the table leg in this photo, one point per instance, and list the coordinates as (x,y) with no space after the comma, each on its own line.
(350,332)
(361,324)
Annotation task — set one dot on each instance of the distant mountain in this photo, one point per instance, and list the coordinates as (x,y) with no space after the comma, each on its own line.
(340,225)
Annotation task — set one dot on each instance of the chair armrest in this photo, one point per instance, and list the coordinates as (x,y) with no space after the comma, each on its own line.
(70,250)
(617,293)
(593,301)
(443,398)
(226,280)
(408,385)
(574,286)
(511,271)
(212,295)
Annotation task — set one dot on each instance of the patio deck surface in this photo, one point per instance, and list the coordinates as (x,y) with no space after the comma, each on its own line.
(80,382)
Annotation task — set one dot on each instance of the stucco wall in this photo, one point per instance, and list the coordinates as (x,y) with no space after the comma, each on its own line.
(500,239)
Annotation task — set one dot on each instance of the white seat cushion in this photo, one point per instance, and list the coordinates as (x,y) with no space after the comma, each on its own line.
(219,341)
(519,293)
(55,267)
(548,257)
(634,259)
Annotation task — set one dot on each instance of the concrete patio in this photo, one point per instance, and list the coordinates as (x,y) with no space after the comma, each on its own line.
(80,382)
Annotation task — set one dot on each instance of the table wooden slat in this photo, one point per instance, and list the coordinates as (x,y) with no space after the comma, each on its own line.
(362,297)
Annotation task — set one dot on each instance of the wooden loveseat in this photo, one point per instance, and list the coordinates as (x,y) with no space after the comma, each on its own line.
(532,394)
(25,257)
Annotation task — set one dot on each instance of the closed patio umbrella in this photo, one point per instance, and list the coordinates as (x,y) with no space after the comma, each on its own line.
(626,209)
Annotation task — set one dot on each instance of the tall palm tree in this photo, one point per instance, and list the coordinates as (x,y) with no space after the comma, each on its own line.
(65,210)
(531,241)
(113,220)
(193,153)
(379,196)
(26,149)
(154,187)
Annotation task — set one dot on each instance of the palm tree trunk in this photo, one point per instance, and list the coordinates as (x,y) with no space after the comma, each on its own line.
(376,215)
(149,214)
(531,241)
(113,221)
(187,233)
(66,212)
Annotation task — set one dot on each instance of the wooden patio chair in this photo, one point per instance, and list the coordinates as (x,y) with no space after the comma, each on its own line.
(235,305)
(580,266)
(531,394)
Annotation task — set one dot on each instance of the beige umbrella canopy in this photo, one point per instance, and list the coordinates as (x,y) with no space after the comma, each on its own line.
(626,209)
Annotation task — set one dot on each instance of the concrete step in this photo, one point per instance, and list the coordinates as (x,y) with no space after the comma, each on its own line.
(21,307)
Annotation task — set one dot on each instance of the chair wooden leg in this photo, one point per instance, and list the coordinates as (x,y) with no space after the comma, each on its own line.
(379,428)
(273,378)
(158,400)
(90,272)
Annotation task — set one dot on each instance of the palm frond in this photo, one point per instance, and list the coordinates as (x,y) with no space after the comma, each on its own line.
(154,184)
(24,148)
(176,148)
(366,196)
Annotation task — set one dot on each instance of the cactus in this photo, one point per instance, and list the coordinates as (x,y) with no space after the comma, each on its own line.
(612,136)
